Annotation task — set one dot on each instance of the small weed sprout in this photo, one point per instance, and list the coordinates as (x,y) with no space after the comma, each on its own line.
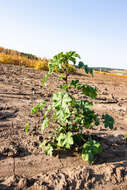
(71,116)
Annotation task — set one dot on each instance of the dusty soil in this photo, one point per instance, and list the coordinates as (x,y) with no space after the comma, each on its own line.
(23,165)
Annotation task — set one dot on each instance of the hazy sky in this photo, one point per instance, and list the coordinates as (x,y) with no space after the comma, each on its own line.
(96,29)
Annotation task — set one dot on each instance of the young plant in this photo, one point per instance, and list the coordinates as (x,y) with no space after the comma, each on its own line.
(70,116)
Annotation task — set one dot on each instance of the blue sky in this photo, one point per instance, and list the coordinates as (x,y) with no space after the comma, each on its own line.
(96,29)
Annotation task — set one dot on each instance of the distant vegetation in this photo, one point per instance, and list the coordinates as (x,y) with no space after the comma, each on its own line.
(110,71)
(14,52)
(8,56)
(105,69)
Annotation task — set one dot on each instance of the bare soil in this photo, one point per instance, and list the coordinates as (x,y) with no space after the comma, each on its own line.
(23,165)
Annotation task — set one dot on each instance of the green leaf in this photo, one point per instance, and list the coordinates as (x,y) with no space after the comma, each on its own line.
(65,140)
(27,128)
(74,83)
(108,121)
(80,65)
(35,109)
(47,111)
(60,62)
(72,54)
(51,68)
(61,105)
(90,148)
(86,104)
(59,130)
(88,70)
(88,156)
(85,67)
(43,143)
(45,78)
(49,150)
(78,138)
(73,59)
(62,76)
(88,91)
(44,124)
(76,55)
(39,106)
(97,122)
(83,115)
(65,86)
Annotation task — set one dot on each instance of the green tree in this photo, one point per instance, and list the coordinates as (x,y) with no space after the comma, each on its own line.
(71,116)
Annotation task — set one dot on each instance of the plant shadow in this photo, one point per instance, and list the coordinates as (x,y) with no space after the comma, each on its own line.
(18,152)
(4,116)
(63,154)
(114,149)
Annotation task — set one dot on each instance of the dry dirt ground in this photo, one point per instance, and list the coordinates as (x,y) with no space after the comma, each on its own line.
(23,165)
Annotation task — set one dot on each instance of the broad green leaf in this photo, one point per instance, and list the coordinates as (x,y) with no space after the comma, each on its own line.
(61,105)
(83,114)
(80,65)
(86,104)
(76,55)
(78,138)
(74,83)
(88,156)
(65,140)
(108,121)
(61,60)
(73,59)
(27,128)
(90,148)
(72,54)
(88,70)
(89,91)
(85,67)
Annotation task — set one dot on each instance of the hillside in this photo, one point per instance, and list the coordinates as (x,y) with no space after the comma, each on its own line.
(15,52)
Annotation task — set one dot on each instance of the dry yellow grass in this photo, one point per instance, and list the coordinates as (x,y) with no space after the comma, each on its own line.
(40,64)
(22,60)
